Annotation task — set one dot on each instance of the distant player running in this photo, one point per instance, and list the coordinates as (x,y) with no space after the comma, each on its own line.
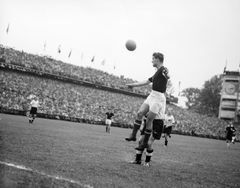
(168,123)
(33,111)
(154,103)
(230,133)
(108,122)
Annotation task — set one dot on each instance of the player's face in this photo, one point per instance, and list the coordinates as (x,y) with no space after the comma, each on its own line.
(154,61)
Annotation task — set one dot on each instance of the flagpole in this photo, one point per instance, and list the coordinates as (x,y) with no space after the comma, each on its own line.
(82,59)
(179,88)
(114,67)
(44,48)
(7,40)
(71,64)
(225,68)
(7,31)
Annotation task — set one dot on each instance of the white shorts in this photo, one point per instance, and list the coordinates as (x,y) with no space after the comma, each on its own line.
(108,122)
(157,103)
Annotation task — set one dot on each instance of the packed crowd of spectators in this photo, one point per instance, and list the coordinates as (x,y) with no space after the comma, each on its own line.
(197,124)
(52,66)
(71,100)
(64,99)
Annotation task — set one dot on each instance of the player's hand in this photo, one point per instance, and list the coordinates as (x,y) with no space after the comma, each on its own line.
(129,86)
(166,73)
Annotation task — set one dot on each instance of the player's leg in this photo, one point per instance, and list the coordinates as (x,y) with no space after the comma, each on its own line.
(106,123)
(142,130)
(137,124)
(233,139)
(164,131)
(149,121)
(170,131)
(34,114)
(140,140)
(156,135)
(139,153)
(109,125)
(166,141)
(138,157)
(33,118)
(149,152)
(228,145)
(30,118)
(30,115)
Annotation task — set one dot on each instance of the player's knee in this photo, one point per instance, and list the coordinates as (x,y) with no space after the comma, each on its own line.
(149,123)
(140,115)
(150,146)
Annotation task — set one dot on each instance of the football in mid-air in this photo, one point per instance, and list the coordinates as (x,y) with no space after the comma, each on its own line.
(131,45)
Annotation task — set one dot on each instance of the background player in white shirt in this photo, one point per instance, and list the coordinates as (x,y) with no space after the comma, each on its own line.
(168,123)
(33,111)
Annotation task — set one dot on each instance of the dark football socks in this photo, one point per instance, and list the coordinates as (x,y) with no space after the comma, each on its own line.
(148,156)
(136,127)
(139,155)
(147,136)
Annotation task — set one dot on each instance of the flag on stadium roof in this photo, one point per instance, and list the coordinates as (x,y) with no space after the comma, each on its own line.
(93,59)
(59,49)
(224,70)
(8,28)
(45,46)
(70,53)
(103,63)
(179,85)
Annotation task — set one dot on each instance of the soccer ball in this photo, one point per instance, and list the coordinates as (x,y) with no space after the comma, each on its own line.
(131,45)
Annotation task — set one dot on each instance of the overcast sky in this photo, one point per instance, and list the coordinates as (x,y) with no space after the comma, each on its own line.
(197,37)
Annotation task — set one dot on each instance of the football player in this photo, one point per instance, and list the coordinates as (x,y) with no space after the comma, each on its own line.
(108,121)
(33,111)
(154,103)
(168,123)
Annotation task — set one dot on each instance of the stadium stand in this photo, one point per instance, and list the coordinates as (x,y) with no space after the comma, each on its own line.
(84,94)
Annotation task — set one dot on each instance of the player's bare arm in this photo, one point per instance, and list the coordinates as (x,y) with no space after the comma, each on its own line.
(138,84)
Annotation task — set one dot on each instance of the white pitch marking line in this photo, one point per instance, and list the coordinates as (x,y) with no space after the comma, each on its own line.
(44,174)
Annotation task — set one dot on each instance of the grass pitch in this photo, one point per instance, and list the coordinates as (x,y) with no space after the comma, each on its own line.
(53,153)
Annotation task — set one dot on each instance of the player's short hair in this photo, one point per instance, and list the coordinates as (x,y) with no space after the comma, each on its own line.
(159,56)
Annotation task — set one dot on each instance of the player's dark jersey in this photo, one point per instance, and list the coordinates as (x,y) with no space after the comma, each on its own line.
(159,80)
(109,115)
(230,132)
